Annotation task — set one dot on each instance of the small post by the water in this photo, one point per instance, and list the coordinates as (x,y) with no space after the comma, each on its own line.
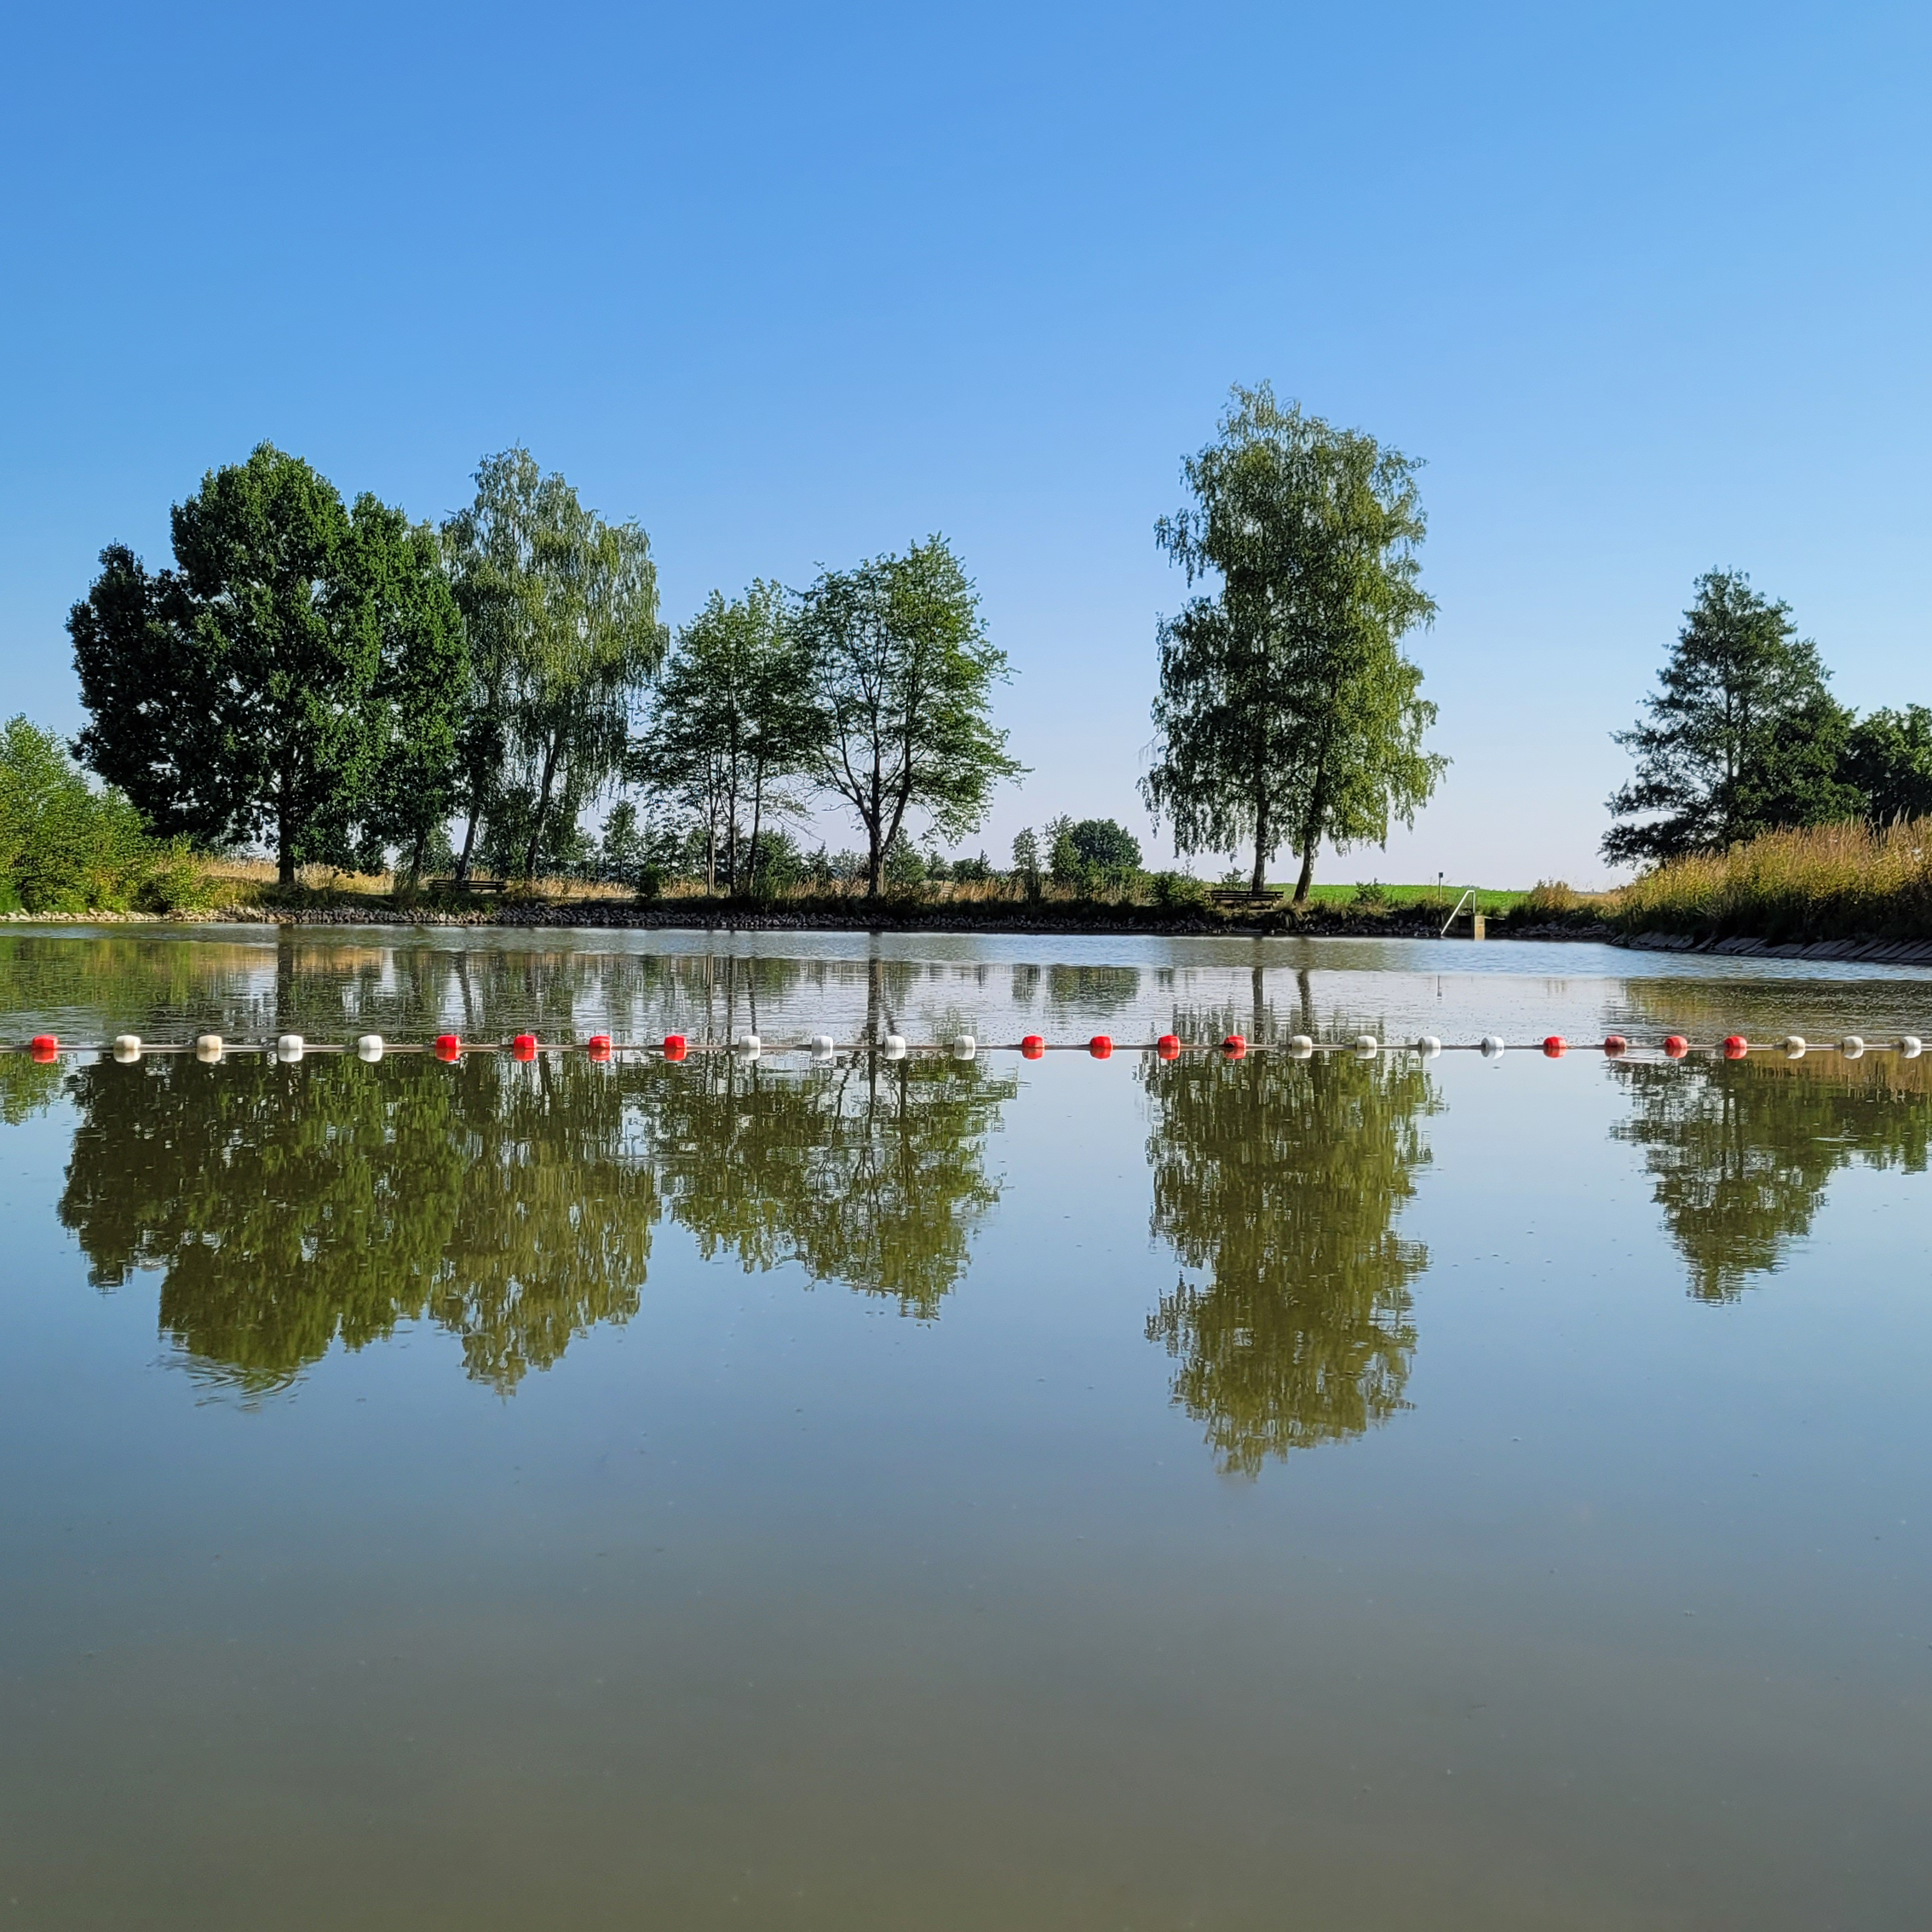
(1478,925)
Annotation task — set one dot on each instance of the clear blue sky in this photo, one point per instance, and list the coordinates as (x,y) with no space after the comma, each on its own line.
(1646,286)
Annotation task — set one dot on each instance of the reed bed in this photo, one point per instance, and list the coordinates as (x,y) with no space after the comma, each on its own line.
(1826,882)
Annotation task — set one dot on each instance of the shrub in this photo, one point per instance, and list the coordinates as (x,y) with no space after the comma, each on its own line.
(66,848)
(1373,896)
(1175,889)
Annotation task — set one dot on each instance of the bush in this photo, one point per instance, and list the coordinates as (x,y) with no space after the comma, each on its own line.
(1371,896)
(66,848)
(1548,898)
(1175,889)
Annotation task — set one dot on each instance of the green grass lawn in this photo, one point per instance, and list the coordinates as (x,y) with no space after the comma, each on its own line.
(1488,899)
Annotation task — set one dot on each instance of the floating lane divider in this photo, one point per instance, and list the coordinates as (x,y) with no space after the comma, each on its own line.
(451,1048)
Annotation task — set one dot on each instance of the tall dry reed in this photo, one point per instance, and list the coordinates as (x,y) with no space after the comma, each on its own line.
(1826,882)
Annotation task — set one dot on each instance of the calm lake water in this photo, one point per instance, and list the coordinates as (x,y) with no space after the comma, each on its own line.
(1067,1494)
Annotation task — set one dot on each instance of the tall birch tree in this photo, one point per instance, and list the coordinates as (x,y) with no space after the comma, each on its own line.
(1287,713)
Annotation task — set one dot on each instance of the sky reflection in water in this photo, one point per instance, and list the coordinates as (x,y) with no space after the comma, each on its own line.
(1486,1355)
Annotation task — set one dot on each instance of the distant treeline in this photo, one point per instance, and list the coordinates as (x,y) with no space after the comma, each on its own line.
(351,689)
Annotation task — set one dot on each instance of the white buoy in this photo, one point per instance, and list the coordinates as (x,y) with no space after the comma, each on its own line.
(1491,1047)
(288,1048)
(127,1046)
(1366,1046)
(1911,1046)
(965,1047)
(1301,1047)
(369,1047)
(749,1046)
(1429,1047)
(893,1046)
(1852,1047)
(1794,1046)
(823,1046)
(209,1048)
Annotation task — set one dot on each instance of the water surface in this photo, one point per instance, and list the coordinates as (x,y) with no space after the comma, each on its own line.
(1071,1493)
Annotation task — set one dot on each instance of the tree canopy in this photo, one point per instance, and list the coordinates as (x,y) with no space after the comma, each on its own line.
(562,609)
(250,690)
(903,675)
(1287,712)
(731,726)
(1742,736)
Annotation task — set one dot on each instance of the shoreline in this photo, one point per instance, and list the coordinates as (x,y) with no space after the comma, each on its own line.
(1141,922)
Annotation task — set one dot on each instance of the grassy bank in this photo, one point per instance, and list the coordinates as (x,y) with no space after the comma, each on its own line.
(1828,882)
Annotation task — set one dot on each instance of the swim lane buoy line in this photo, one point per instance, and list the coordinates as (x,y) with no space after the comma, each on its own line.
(292,1048)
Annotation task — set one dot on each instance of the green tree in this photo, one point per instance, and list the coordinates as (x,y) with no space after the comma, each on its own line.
(157,729)
(280,681)
(1287,710)
(904,676)
(1277,1182)
(733,721)
(396,568)
(563,615)
(63,848)
(1887,762)
(1742,737)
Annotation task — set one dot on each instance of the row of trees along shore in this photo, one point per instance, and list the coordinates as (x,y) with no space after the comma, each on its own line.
(347,686)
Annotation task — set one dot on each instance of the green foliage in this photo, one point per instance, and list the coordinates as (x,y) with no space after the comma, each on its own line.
(562,615)
(1743,737)
(732,724)
(1740,1152)
(1277,1183)
(65,847)
(903,677)
(1887,762)
(1027,860)
(1178,890)
(1287,710)
(1371,896)
(294,677)
(1090,852)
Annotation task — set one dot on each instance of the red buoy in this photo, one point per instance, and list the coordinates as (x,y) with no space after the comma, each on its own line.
(674,1046)
(1736,1047)
(448,1047)
(1100,1046)
(1615,1044)
(1555,1047)
(1032,1047)
(43,1046)
(1168,1046)
(523,1047)
(598,1046)
(1234,1046)
(1677,1046)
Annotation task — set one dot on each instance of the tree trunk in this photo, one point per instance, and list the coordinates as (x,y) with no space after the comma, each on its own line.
(416,856)
(469,836)
(543,810)
(284,840)
(1311,833)
(758,816)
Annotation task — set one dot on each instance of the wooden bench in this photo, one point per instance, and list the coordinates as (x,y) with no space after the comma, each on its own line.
(1239,898)
(463,885)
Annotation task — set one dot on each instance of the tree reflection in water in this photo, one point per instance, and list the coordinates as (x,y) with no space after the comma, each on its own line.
(871,1173)
(1742,1152)
(290,1208)
(1279,1181)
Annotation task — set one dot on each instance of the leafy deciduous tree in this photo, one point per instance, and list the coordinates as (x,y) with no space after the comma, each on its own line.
(903,674)
(1287,712)
(563,609)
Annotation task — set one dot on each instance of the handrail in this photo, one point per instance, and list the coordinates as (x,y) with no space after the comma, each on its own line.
(1457,907)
